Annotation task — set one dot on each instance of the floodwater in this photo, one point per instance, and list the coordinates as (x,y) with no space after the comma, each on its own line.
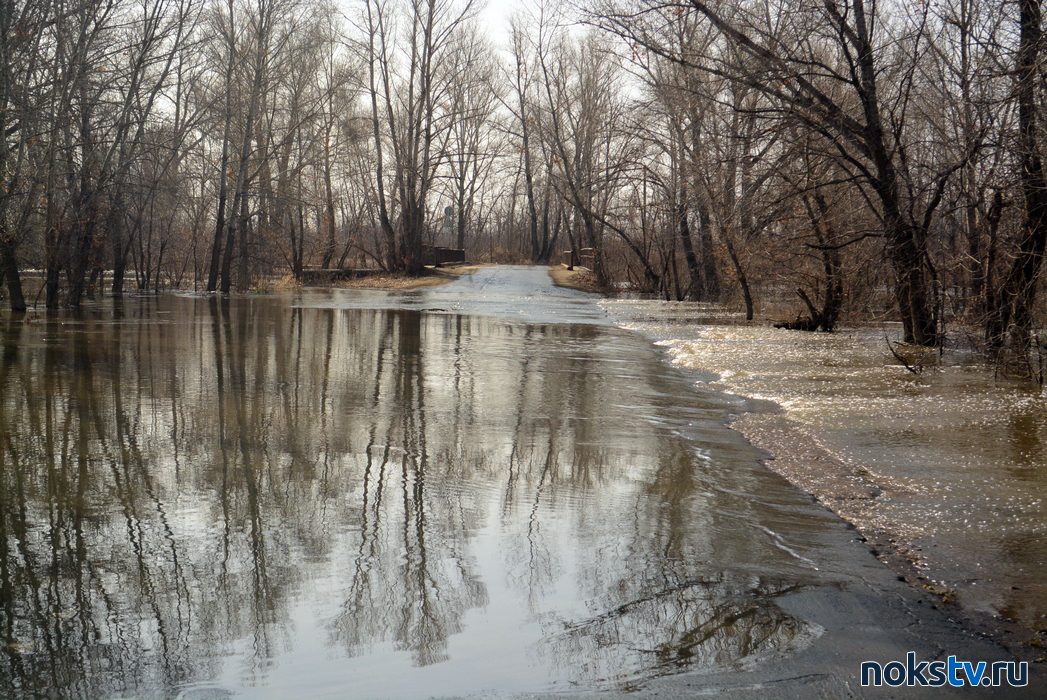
(961,453)
(487,487)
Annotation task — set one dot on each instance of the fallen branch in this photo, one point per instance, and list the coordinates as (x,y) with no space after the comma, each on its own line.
(902,359)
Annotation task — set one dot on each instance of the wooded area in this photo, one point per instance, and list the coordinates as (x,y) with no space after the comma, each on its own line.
(879,160)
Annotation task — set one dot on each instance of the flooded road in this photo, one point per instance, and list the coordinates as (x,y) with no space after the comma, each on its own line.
(483,488)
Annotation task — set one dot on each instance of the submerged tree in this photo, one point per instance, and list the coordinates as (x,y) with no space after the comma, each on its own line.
(1011,318)
(847,73)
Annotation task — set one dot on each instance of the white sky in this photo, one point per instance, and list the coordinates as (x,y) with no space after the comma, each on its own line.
(495,18)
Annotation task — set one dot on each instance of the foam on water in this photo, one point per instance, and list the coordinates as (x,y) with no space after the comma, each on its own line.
(968,451)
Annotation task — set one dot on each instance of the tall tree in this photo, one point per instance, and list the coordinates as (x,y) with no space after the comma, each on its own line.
(472,144)
(408,85)
(1013,312)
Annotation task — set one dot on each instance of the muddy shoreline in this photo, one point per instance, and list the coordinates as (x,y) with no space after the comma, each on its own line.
(855,495)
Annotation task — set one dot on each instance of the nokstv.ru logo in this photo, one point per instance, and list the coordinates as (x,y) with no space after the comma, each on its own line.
(938,673)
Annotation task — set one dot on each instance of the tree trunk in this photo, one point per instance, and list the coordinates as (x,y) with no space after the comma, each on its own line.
(1012,317)
(742,279)
(908,258)
(8,259)
(244,227)
(223,186)
(988,263)
(710,274)
(694,290)
(9,269)
(539,253)
(85,239)
(329,214)
(85,209)
(826,237)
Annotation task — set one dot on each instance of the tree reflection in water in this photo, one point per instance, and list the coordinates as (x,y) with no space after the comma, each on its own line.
(705,624)
(179,476)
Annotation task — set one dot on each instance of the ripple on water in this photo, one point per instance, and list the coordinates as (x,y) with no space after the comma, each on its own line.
(334,495)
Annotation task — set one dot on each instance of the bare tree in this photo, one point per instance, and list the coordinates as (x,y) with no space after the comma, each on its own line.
(1012,312)
(22,30)
(584,125)
(526,40)
(407,85)
(473,139)
(846,71)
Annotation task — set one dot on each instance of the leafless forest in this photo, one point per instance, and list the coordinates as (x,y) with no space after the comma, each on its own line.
(874,160)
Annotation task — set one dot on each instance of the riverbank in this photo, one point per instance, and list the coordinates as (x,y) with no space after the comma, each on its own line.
(941,472)
(579,278)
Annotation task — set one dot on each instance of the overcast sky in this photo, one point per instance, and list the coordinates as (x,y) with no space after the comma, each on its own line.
(495,18)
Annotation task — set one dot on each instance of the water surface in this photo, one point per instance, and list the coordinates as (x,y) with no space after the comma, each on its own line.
(484,487)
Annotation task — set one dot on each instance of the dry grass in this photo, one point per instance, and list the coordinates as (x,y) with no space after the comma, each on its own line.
(579,278)
(270,285)
(434,277)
